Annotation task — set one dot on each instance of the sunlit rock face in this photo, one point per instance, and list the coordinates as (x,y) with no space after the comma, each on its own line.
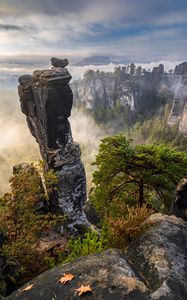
(46,100)
(179,108)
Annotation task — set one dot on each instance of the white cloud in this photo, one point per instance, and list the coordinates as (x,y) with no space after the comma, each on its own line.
(76,29)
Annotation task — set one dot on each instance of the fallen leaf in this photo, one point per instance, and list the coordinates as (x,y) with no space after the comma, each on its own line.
(29,287)
(66,278)
(83,290)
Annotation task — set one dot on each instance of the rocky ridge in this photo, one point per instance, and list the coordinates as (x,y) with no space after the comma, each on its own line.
(179,107)
(46,100)
(135,92)
(138,90)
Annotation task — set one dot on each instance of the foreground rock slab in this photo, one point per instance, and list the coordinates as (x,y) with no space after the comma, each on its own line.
(154,267)
(109,275)
(160,255)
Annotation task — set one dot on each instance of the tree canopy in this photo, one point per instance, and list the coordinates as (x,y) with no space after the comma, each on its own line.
(136,174)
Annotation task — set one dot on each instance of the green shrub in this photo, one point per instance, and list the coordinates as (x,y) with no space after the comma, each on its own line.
(135,175)
(92,243)
(22,226)
(122,230)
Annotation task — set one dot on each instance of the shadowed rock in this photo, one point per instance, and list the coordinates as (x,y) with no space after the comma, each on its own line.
(179,207)
(161,258)
(181,69)
(57,62)
(46,100)
(153,267)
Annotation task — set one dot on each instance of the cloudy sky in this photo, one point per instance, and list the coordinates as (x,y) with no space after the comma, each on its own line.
(128,30)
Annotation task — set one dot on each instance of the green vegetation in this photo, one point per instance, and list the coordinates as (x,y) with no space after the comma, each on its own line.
(121,231)
(126,84)
(156,130)
(90,244)
(136,174)
(131,182)
(22,225)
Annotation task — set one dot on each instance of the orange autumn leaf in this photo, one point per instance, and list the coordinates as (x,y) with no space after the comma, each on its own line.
(83,290)
(29,287)
(66,278)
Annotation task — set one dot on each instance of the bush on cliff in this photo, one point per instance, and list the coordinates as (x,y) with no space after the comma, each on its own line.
(22,225)
(131,182)
(156,130)
(121,231)
(91,243)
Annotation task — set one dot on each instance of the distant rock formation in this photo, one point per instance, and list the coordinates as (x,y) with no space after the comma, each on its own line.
(179,107)
(46,100)
(181,69)
(129,90)
(154,267)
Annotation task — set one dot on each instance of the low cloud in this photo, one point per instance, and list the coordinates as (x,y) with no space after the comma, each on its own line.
(9,27)
(137,31)
(12,68)
(17,144)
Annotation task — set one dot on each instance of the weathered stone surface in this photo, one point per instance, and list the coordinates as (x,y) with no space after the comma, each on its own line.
(179,107)
(46,100)
(181,69)
(179,207)
(160,256)
(25,79)
(154,267)
(109,275)
(57,62)
(140,93)
(55,76)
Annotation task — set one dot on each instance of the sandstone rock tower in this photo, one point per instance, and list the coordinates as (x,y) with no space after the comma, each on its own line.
(46,100)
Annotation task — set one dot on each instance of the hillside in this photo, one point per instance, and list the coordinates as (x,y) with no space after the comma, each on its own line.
(132,94)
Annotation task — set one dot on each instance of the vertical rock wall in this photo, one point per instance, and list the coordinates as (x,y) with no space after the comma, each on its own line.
(46,100)
(179,107)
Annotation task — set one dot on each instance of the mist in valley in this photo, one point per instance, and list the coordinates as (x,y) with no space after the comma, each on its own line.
(17,144)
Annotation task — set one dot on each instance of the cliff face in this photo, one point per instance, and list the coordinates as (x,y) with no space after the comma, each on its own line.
(179,108)
(139,92)
(134,93)
(46,100)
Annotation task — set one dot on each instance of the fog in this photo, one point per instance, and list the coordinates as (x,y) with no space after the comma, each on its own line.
(11,70)
(88,134)
(17,144)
